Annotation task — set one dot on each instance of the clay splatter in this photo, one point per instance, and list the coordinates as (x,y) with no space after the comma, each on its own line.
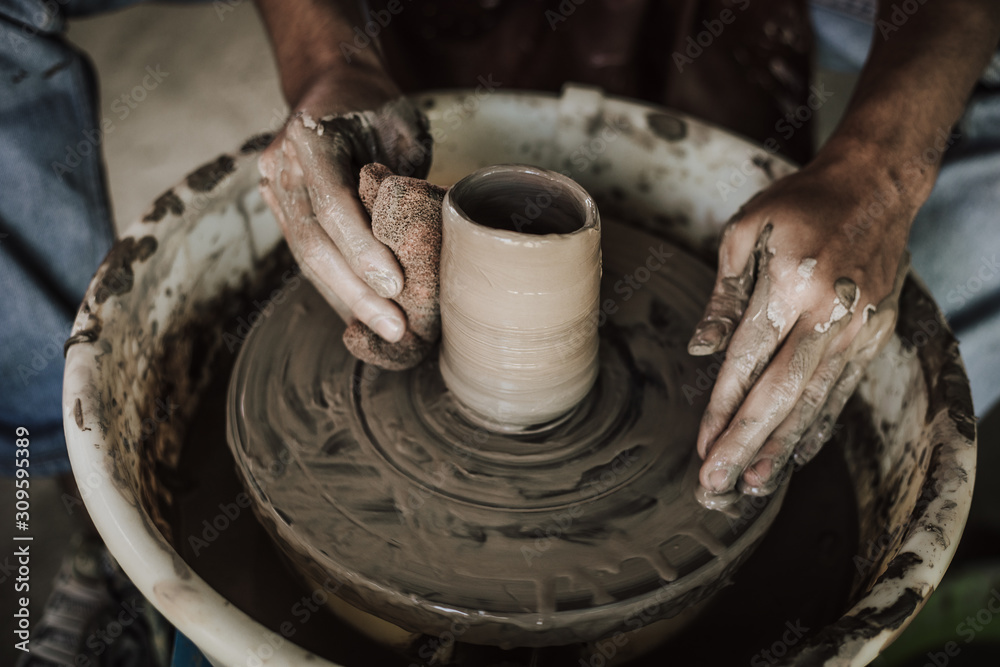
(256,143)
(116,272)
(168,202)
(667,127)
(207,177)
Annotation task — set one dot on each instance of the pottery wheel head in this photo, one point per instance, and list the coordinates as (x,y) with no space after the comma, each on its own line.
(563,533)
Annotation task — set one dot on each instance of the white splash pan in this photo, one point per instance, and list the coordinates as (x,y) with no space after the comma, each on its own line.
(168,280)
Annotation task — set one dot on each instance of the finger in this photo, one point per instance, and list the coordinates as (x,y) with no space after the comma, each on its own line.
(822,427)
(863,349)
(766,471)
(733,285)
(766,405)
(878,325)
(271,199)
(329,178)
(752,347)
(753,344)
(324,265)
(774,396)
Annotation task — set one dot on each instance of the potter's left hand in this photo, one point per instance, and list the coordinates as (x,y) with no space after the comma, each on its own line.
(805,297)
(346,112)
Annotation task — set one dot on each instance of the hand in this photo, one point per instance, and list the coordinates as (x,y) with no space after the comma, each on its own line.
(804,299)
(310,175)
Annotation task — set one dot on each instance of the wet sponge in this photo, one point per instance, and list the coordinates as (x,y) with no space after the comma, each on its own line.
(406,216)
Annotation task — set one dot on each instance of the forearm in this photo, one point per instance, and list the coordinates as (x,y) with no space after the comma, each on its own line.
(913,89)
(307,37)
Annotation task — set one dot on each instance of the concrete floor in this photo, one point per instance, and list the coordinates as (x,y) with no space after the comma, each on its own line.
(220,87)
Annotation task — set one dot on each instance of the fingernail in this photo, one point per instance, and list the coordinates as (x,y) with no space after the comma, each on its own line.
(824,430)
(706,339)
(389,328)
(384,284)
(806,449)
(718,480)
(765,486)
(715,501)
(762,470)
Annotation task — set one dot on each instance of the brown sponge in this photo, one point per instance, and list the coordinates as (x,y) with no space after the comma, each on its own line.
(406,216)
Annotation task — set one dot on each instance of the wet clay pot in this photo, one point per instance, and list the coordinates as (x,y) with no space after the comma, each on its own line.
(164,301)
(520,293)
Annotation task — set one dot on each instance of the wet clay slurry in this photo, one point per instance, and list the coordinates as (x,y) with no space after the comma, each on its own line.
(541,537)
(520,282)
(808,551)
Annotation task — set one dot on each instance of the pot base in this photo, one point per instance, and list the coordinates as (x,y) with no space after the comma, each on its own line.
(563,533)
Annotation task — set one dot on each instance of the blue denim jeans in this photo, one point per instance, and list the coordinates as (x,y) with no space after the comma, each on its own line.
(55,224)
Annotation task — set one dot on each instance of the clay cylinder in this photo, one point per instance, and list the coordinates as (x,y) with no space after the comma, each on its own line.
(520,281)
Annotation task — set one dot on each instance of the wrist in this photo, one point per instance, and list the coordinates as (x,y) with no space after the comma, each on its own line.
(909,163)
(899,179)
(338,88)
(316,41)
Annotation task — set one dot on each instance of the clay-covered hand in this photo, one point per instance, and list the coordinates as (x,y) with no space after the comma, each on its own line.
(406,217)
(805,297)
(310,174)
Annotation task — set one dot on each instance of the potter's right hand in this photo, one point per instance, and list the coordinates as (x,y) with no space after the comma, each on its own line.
(310,175)
(803,301)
